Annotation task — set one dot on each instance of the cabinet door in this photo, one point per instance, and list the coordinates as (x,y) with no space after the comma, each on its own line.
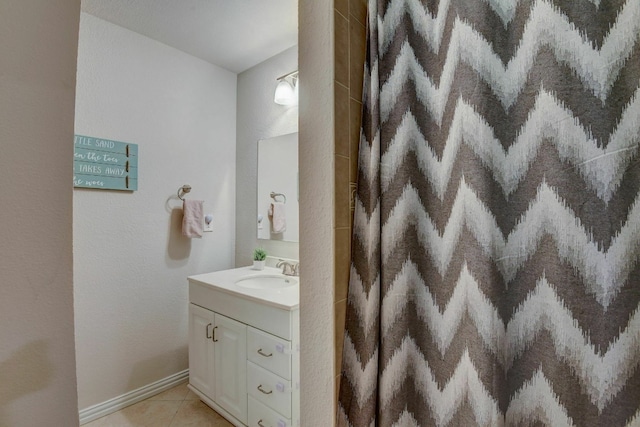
(231,366)
(201,356)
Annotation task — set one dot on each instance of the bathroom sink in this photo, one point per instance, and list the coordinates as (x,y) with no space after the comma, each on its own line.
(266,281)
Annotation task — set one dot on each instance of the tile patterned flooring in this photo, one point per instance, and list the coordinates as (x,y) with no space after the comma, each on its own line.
(176,407)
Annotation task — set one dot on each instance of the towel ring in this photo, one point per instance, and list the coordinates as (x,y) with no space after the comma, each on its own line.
(183,190)
(274,195)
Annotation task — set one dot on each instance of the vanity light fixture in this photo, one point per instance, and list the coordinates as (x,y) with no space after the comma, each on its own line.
(287,89)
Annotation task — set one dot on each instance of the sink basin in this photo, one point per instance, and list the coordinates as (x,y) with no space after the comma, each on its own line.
(267,281)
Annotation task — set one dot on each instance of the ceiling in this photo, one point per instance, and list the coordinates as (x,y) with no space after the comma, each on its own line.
(233,34)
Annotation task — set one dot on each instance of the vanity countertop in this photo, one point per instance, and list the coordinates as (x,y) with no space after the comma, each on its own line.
(225,281)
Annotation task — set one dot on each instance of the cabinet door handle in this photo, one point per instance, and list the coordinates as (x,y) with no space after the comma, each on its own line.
(264,354)
(260,423)
(208,334)
(214,334)
(262,390)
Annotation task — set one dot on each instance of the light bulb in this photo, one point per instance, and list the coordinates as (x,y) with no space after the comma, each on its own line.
(284,93)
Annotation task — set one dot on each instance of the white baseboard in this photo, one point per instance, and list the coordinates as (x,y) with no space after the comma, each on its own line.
(112,405)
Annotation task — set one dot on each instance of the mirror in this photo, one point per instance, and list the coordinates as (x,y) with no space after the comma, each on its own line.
(278,188)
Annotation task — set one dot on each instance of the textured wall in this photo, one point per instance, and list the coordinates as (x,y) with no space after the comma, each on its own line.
(316,155)
(259,118)
(37,87)
(131,261)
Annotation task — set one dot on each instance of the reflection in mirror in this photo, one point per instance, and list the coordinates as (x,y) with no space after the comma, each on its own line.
(278,188)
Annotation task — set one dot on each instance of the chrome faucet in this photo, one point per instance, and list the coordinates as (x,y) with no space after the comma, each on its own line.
(289,269)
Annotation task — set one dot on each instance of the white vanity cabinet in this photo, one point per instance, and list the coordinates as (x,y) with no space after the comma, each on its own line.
(244,351)
(217,354)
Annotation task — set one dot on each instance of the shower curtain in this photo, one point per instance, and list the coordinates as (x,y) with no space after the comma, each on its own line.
(495,278)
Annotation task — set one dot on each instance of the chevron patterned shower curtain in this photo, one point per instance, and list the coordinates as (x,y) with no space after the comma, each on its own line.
(495,275)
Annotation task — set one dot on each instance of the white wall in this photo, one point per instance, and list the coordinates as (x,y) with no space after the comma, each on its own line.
(316,147)
(131,262)
(38,48)
(259,118)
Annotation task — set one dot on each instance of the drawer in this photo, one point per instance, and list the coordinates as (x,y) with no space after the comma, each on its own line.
(270,352)
(269,389)
(262,416)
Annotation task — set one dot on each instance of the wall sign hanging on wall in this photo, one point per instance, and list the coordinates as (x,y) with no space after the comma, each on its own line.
(104,164)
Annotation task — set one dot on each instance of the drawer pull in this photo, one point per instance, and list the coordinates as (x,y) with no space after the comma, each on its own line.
(214,334)
(264,354)
(262,390)
(280,423)
(208,334)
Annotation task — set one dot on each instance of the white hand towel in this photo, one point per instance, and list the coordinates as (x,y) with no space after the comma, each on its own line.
(278,217)
(192,224)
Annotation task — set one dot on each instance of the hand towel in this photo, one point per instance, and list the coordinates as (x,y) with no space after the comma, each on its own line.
(192,213)
(278,217)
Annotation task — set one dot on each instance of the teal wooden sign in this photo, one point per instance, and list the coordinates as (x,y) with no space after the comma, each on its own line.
(104,164)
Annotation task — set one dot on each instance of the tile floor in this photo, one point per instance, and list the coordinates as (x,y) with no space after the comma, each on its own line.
(176,407)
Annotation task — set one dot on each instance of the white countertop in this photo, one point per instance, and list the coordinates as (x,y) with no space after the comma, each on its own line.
(285,298)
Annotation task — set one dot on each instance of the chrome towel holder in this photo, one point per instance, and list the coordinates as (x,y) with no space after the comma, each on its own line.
(274,195)
(183,190)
